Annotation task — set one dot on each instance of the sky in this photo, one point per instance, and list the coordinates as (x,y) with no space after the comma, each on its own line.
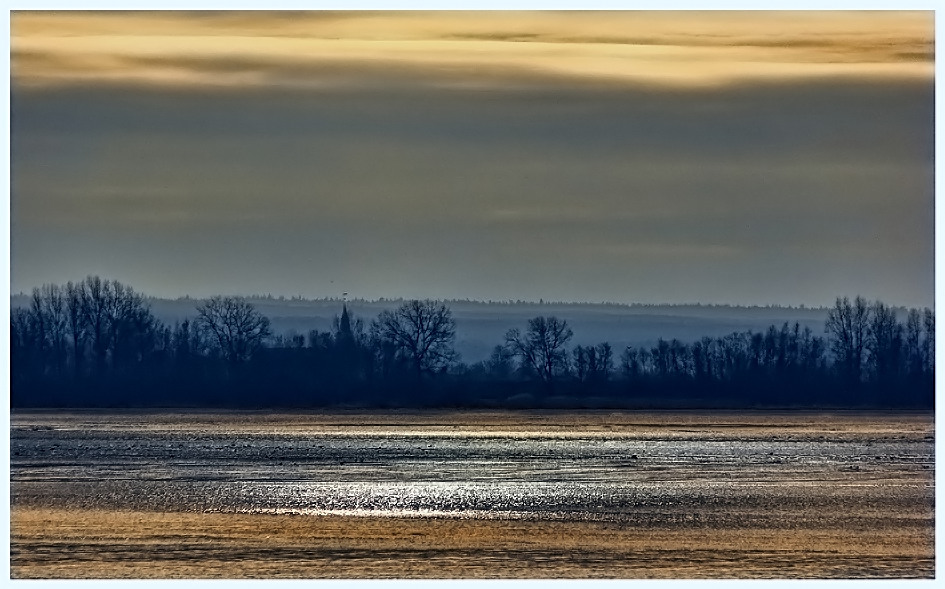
(715,157)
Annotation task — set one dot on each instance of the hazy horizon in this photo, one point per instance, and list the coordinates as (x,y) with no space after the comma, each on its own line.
(535,302)
(735,158)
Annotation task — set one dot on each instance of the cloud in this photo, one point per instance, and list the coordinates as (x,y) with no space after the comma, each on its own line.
(740,157)
(752,193)
(482,50)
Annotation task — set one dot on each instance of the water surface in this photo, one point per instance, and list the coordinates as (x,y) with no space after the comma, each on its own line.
(854,473)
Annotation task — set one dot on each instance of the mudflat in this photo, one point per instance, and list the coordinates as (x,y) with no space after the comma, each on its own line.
(50,543)
(472,495)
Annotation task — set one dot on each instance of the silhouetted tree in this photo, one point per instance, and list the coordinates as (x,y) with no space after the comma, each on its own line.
(500,363)
(25,353)
(541,349)
(593,363)
(49,324)
(134,332)
(603,365)
(106,326)
(235,326)
(636,363)
(420,333)
(630,365)
(912,343)
(75,323)
(704,359)
(661,358)
(928,344)
(95,309)
(884,342)
(580,358)
(120,324)
(847,326)
(811,350)
(187,341)
(679,358)
(734,349)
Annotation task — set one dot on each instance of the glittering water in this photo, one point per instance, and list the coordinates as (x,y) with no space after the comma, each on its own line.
(640,469)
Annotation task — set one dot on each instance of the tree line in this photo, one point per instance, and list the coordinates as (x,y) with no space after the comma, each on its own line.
(97,343)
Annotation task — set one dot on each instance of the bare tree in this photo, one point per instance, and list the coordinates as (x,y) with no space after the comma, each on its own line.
(48,314)
(847,327)
(928,344)
(912,346)
(501,363)
(95,315)
(111,316)
(701,362)
(22,339)
(884,342)
(132,328)
(630,363)
(75,322)
(582,362)
(542,348)
(593,363)
(661,358)
(235,325)
(420,332)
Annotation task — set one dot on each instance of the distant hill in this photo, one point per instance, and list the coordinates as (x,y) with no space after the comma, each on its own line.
(482,325)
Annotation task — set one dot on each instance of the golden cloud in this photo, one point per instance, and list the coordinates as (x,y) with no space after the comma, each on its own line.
(467,48)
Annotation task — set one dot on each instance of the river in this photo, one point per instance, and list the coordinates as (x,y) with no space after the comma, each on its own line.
(669,494)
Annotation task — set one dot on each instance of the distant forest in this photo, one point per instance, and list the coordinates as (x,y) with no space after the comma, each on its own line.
(97,343)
